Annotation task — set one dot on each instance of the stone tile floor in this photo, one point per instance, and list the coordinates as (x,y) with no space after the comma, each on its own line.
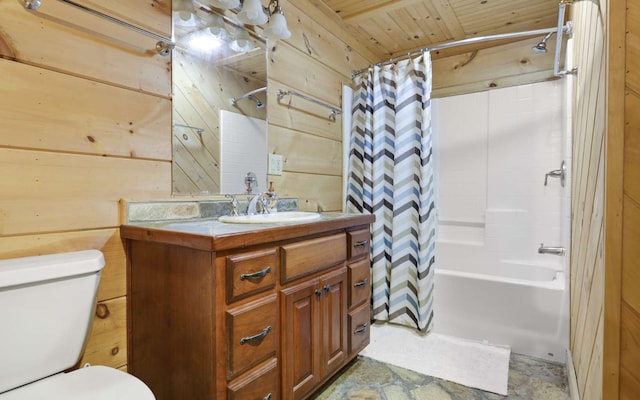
(367,379)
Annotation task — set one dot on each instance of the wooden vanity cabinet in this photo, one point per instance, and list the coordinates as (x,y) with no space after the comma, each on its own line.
(269,314)
(314,332)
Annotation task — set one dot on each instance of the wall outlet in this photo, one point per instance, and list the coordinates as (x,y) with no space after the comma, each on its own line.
(275,164)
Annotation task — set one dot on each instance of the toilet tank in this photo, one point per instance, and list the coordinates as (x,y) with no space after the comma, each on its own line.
(46,309)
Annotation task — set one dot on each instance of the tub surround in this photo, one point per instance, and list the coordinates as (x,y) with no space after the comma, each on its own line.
(241,311)
(495,211)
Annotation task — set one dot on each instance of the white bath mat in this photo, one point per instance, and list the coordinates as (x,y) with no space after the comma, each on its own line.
(461,361)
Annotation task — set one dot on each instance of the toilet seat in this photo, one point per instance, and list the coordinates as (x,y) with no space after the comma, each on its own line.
(94,383)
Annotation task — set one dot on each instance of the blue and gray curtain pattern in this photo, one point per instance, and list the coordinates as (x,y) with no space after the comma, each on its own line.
(391,175)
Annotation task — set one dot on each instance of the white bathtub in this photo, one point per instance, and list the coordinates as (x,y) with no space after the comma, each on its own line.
(510,303)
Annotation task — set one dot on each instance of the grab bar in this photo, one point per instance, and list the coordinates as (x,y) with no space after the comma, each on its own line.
(556,251)
(163,47)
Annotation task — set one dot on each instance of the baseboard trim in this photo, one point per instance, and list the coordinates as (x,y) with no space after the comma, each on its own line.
(574,393)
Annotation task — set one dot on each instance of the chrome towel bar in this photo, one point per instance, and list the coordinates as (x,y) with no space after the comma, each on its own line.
(334,110)
(163,46)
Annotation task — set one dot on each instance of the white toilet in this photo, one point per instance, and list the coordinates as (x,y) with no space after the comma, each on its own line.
(47,305)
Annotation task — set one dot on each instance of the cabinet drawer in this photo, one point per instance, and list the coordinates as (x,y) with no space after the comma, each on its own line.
(304,258)
(359,324)
(359,282)
(251,335)
(261,384)
(250,273)
(359,243)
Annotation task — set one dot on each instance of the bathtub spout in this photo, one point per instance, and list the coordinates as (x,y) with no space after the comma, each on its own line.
(558,251)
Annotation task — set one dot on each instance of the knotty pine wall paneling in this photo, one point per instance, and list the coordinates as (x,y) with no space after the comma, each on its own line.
(315,62)
(621,356)
(86,114)
(588,193)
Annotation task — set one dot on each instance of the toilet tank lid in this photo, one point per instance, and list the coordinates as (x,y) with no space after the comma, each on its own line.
(26,270)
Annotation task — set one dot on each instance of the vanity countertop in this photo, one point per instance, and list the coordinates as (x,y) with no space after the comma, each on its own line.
(212,235)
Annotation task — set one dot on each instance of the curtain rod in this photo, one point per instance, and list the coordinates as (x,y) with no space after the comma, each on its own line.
(455,43)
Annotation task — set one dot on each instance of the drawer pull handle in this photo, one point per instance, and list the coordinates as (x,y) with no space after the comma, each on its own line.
(318,292)
(362,329)
(361,244)
(268,397)
(254,275)
(327,288)
(259,336)
(361,283)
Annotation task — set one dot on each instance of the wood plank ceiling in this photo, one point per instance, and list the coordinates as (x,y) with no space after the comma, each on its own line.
(391,28)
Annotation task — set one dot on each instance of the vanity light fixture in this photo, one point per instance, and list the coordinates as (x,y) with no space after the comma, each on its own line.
(225,4)
(277,28)
(215,25)
(252,12)
(185,11)
(242,42)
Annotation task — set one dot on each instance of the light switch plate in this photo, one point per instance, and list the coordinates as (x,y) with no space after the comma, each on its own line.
(275,164)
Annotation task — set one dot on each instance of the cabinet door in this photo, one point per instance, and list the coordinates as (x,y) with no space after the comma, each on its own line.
(334,320)
(300,339)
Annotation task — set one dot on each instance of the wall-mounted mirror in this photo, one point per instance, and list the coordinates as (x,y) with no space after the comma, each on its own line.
(219,72)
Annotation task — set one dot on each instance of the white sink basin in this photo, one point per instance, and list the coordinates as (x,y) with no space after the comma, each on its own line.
(285,216)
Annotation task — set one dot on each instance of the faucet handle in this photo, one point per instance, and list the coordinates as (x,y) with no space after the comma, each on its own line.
(265,201)
(234,204)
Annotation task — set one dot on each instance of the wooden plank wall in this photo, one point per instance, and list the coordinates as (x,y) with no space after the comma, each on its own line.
(86,120)
(622,279)
(316,61)
(587,231)
(630,307)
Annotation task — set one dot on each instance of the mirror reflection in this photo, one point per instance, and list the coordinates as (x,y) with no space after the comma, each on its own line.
(219,104)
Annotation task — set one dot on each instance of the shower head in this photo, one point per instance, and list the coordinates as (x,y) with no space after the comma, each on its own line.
(541,47)
(259,104)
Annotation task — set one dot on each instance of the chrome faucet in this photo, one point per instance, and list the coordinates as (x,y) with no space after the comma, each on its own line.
(252,209)
(558,251)
(265,200)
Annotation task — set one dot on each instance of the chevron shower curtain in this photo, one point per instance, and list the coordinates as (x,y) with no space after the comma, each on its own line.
(391,175)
